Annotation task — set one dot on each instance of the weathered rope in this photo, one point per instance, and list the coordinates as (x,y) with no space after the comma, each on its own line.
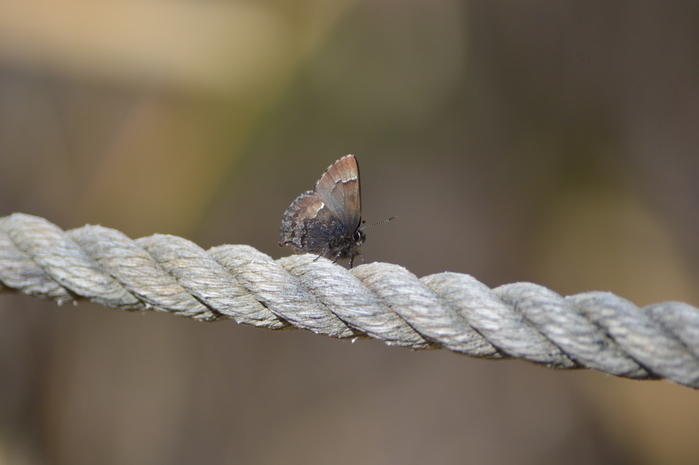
(596,330)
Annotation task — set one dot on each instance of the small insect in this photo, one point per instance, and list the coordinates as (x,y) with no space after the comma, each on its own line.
(326,221)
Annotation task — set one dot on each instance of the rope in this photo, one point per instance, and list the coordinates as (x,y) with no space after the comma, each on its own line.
(595,330)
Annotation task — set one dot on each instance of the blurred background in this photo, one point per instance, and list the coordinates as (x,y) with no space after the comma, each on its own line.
(545,141)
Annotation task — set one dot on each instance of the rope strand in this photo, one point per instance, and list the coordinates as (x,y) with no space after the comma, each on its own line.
(595,330)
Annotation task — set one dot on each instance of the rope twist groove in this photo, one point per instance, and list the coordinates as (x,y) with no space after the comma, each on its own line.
(595,330)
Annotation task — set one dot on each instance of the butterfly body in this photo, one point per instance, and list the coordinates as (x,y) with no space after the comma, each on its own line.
(326,221)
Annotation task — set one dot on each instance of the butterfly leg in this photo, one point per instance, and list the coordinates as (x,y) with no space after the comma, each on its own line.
(322,252)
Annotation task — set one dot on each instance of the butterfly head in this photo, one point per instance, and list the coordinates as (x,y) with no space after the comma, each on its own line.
(359,237)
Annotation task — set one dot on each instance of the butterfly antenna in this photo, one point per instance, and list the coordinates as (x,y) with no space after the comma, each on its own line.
(380,222)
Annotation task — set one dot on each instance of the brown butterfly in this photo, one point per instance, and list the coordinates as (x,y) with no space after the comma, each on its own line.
(326,220)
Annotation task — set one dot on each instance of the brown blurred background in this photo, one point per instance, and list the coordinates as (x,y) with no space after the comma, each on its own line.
(548,141)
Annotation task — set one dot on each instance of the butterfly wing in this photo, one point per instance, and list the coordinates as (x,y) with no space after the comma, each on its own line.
(339,189)
(308,224)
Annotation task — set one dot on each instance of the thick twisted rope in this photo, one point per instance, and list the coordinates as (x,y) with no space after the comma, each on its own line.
(595,330)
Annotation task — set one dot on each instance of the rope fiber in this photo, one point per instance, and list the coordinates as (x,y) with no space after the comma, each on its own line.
(595,330)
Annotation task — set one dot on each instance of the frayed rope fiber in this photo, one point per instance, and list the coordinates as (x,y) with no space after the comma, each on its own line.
(596,330)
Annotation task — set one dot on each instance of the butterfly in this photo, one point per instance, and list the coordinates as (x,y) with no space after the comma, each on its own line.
(326,221)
